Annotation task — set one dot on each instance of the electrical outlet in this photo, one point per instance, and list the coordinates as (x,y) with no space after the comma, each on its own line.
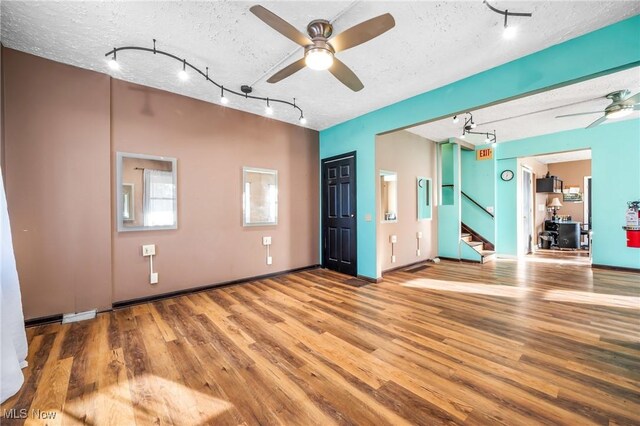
(149,250)
(266,241)
(393,259)
(153,278)
(269,260)
(418,252)
(393,239)
(418,235)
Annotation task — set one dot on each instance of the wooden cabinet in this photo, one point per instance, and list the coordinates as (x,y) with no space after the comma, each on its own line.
(550,184)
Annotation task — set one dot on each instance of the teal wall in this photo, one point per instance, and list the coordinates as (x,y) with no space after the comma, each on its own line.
(478,181)
(449,214)
(616,47)
(615,170)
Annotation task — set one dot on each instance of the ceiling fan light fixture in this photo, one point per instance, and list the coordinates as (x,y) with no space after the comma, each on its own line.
(318,58)
(622,112)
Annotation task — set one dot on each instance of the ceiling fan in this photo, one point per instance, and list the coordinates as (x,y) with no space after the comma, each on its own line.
(319,51)
(621,104)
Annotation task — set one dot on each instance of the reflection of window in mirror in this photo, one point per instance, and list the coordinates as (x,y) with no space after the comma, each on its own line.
(128,200)
(424,198)
(388,196)
(260,196)
(149,198)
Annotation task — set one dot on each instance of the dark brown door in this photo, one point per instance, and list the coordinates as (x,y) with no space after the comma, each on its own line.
(339,214)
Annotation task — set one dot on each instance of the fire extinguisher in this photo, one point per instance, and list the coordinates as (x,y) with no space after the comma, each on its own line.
(633,224)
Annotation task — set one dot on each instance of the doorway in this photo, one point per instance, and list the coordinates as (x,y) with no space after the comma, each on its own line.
(339,214)
(527,211)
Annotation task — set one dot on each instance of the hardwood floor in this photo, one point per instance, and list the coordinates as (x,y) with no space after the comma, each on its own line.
(452,343)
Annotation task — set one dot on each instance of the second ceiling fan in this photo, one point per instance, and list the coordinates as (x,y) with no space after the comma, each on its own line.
(319,51)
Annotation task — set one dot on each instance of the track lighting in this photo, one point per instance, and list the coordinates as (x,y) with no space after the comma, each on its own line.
(223,99)
(245,90)
(183,73)
(510,31)
(113,64)
(468,127)
(455,119)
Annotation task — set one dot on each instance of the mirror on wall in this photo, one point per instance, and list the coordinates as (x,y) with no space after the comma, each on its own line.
(259,196)
(388,196)
(146,192)
(424,197)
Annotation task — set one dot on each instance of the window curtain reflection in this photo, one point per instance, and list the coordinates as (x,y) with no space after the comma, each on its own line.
(13,339)
(159,198)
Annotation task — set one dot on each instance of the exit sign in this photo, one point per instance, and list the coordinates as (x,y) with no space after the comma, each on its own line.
(484,154)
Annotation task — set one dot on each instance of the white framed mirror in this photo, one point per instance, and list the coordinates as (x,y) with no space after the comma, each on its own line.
(424,197)
(146,187)
(388,196)
(259,196)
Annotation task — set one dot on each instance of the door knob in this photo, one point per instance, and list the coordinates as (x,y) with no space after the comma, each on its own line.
(352,215)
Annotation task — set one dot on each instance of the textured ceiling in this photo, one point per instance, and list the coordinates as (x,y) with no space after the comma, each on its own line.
(433,43)
(563,157)
(504,118)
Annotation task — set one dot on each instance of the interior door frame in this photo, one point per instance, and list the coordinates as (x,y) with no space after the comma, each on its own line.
(531,214)
(587,200)
(323,205)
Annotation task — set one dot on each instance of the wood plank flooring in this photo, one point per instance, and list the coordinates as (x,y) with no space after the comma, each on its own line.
(453,343)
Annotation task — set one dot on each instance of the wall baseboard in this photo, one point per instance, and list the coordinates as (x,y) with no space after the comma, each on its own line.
(408,265)
(615,268)
(122,304)
(369,279)
(138,301)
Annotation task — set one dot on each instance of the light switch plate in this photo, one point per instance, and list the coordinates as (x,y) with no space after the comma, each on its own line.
(418,235)
(393,259)
(418,252)
(266,241)
(269,260)
(149,250)
(153,278)
(393,239)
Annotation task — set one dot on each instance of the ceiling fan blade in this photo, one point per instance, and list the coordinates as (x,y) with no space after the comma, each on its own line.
(631,100)
(579,113)
(597,122)
(280,25)
(287,71)
(345,75)
(362,32)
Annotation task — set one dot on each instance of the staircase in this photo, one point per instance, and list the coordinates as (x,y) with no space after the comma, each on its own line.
(484,248)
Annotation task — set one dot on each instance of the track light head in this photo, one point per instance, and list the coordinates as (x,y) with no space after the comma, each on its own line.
(303,120)
(464,135)
(224,100)
(113,64)
(455,119)
(473,125)
(510,32)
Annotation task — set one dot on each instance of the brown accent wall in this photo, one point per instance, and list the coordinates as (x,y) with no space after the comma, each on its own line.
(212,144)
(58,183)
(572,174)
(63,126)
(410,156)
